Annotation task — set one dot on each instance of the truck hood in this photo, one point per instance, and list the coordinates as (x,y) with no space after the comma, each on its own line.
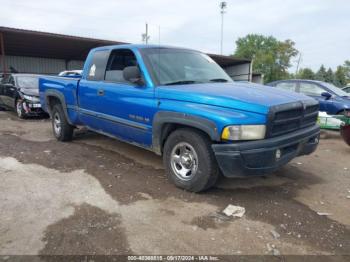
(241,96)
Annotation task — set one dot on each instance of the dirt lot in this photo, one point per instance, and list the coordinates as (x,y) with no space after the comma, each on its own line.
(99,196)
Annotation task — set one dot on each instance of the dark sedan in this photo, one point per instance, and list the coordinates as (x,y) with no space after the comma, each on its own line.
(20,92)
(332,99)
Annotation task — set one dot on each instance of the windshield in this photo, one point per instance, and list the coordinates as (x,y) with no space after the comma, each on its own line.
(178,66)
(28,82)
(335,89)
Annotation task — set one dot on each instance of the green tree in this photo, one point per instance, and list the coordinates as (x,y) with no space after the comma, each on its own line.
(329,76)
(340,77)
(346,67)
(306,73)
(270,56)
(321,74)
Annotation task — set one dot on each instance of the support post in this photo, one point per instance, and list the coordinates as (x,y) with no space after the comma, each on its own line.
(3,52)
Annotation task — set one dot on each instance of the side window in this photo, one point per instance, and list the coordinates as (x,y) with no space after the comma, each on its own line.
(310,89)
(6,79)
(290,86)
(118,60)
(98,66)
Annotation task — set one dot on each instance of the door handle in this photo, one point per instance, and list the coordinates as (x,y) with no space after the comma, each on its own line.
(101,92)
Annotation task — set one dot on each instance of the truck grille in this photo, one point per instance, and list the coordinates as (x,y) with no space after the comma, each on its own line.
(287,118)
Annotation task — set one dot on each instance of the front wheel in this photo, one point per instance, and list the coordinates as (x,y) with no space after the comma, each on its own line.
(62,130)
(189,160)
(19,109)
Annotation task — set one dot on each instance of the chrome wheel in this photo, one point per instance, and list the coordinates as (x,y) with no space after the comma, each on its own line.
(19,109)
(57,124)
(184,161)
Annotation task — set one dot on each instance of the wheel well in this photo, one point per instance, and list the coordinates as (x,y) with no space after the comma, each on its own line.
(168,128)
(51,101)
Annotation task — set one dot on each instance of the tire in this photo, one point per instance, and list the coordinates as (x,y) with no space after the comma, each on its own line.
(185,146)
(62,130)
(19,109)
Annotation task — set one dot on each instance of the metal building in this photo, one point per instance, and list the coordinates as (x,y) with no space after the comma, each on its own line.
(36,52)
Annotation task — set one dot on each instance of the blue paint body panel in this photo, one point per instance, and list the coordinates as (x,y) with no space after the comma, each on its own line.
(128,111)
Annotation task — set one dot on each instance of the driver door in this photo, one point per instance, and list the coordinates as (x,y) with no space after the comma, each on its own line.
(123,109)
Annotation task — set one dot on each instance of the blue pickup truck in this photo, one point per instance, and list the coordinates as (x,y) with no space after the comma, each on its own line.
(180,104)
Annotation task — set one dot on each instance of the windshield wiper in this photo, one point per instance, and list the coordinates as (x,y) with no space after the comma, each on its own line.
(219,80)
(182,82)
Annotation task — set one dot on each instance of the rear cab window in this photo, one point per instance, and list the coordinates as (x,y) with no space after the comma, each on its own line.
(96,70)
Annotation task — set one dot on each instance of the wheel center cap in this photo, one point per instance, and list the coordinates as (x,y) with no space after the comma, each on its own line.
(186,160)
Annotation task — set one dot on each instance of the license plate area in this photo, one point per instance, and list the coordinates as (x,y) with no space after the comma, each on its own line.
(34,105)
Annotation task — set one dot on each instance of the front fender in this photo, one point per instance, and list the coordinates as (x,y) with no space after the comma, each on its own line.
(168,117)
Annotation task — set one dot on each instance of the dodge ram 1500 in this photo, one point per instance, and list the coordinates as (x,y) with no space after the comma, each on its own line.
(180,104)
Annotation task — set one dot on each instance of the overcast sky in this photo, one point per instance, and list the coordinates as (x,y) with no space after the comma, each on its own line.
(320,28)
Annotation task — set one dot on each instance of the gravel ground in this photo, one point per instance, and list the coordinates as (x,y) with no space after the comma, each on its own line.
(96,195)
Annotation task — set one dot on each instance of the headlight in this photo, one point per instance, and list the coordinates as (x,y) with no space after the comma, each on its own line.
(244,132)
(34,99)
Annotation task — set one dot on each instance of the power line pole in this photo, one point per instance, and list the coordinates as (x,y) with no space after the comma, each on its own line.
(299,60)
(159,34)
(2,49)
(145,36)
(223,6)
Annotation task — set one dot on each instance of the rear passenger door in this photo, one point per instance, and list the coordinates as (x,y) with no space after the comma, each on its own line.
(313,90)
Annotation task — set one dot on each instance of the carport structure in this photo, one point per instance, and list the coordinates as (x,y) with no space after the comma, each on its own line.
(28,51)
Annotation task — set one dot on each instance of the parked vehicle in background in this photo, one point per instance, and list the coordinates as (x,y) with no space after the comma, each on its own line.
(180,104)
(71,73)
(346,89)
(332,99)
(20,92)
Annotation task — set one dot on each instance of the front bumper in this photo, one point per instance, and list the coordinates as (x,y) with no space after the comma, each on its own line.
(32,109)
(259,157)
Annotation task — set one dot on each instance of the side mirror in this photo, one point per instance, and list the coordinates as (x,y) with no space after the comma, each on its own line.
(326,95)
(133,75)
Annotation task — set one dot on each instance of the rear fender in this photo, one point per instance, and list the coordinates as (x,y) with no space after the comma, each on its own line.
(51,93)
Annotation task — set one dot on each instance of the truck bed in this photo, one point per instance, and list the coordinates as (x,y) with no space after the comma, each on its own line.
(65,87)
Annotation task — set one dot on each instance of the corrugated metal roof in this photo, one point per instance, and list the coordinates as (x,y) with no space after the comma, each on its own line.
(20,42)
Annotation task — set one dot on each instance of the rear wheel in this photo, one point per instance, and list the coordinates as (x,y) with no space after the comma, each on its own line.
(189,160)
(62,130)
